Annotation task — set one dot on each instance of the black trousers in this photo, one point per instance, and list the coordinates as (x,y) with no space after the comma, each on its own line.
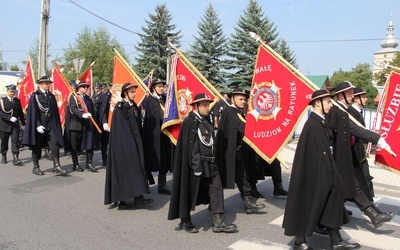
(105,136)
(76,139)
(215,192)
(5,137)
(41,140)
(361,200)
(241,175)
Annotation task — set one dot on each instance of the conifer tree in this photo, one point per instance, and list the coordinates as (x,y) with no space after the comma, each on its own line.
(243,49)
(152,47)
(284,50)
(209,47)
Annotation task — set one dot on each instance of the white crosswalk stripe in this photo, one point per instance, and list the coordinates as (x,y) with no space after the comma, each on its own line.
(360,235)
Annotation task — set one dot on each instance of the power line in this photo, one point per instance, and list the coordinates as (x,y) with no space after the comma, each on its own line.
(105,20)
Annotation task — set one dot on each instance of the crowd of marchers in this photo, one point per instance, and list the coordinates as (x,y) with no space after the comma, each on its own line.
(329,166)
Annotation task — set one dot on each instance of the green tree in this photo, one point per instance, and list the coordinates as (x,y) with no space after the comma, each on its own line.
(284,50)
(93,46)
(380,77)
(152,47)
(14,68)
(3,64)
(243,48)
(359,76)
(209,47)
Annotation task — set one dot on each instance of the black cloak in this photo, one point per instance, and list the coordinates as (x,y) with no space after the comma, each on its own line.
(157,146)
(316,188)
(185,187)
(358,153)
(33,115)
(126,176)
(229,137)
(342,129)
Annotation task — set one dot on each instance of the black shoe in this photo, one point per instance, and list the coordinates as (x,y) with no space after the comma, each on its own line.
(3,159)
(256,194)
(59,170)
(124,206)
(164,190)
(250,207)
(113,205)
(140,200)
(279,191)
(349,212)
(188,227)
(17,162)
(37,171)
(90,166)
(302,246)
(346,245)
(320,230)
(76,167)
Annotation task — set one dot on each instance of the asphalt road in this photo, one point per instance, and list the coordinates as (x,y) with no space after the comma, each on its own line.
(67,212)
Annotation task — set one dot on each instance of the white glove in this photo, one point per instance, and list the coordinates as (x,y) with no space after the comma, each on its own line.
(40,129)
(86,115)
(106,127)
(13,119)
(382,143)
(197,173)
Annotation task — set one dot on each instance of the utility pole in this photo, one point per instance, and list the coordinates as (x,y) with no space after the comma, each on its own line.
(43,42)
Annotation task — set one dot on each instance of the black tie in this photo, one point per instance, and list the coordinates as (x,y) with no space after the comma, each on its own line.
(361,112)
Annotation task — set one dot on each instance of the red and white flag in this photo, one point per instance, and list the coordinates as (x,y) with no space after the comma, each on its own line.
(390,123)
(279,97)
(27,85)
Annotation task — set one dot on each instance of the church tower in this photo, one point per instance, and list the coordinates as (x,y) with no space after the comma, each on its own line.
(389,48)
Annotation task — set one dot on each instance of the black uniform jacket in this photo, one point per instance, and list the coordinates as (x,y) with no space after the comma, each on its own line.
(5,123)
(103,109)
(74,121)
(33,119)
(185,187)
(316,188)
(126,176)
(229,138)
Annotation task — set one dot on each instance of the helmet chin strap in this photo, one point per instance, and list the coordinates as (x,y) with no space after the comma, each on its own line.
(362,104)
(345,99)
(322,106)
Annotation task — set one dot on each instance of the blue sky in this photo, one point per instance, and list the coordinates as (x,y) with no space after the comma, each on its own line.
(303,24)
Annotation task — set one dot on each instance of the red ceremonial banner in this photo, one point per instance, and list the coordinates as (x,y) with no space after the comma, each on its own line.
(27,85)
(183,87)
(61,91)
(279,97)
(390,124)
(122,74)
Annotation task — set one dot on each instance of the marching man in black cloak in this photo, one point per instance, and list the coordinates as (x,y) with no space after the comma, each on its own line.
(126,177)
(79,129)
(343,128)
(157,146)
(43,125)
(230,153)
(316,189)
(195,177)
(10,117)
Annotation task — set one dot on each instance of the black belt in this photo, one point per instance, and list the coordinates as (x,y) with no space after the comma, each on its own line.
(208,158)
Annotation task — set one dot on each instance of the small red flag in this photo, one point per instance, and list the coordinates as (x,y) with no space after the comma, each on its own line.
(279,97)
(61,90)
(27,86)
(390,124)
(86,77)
